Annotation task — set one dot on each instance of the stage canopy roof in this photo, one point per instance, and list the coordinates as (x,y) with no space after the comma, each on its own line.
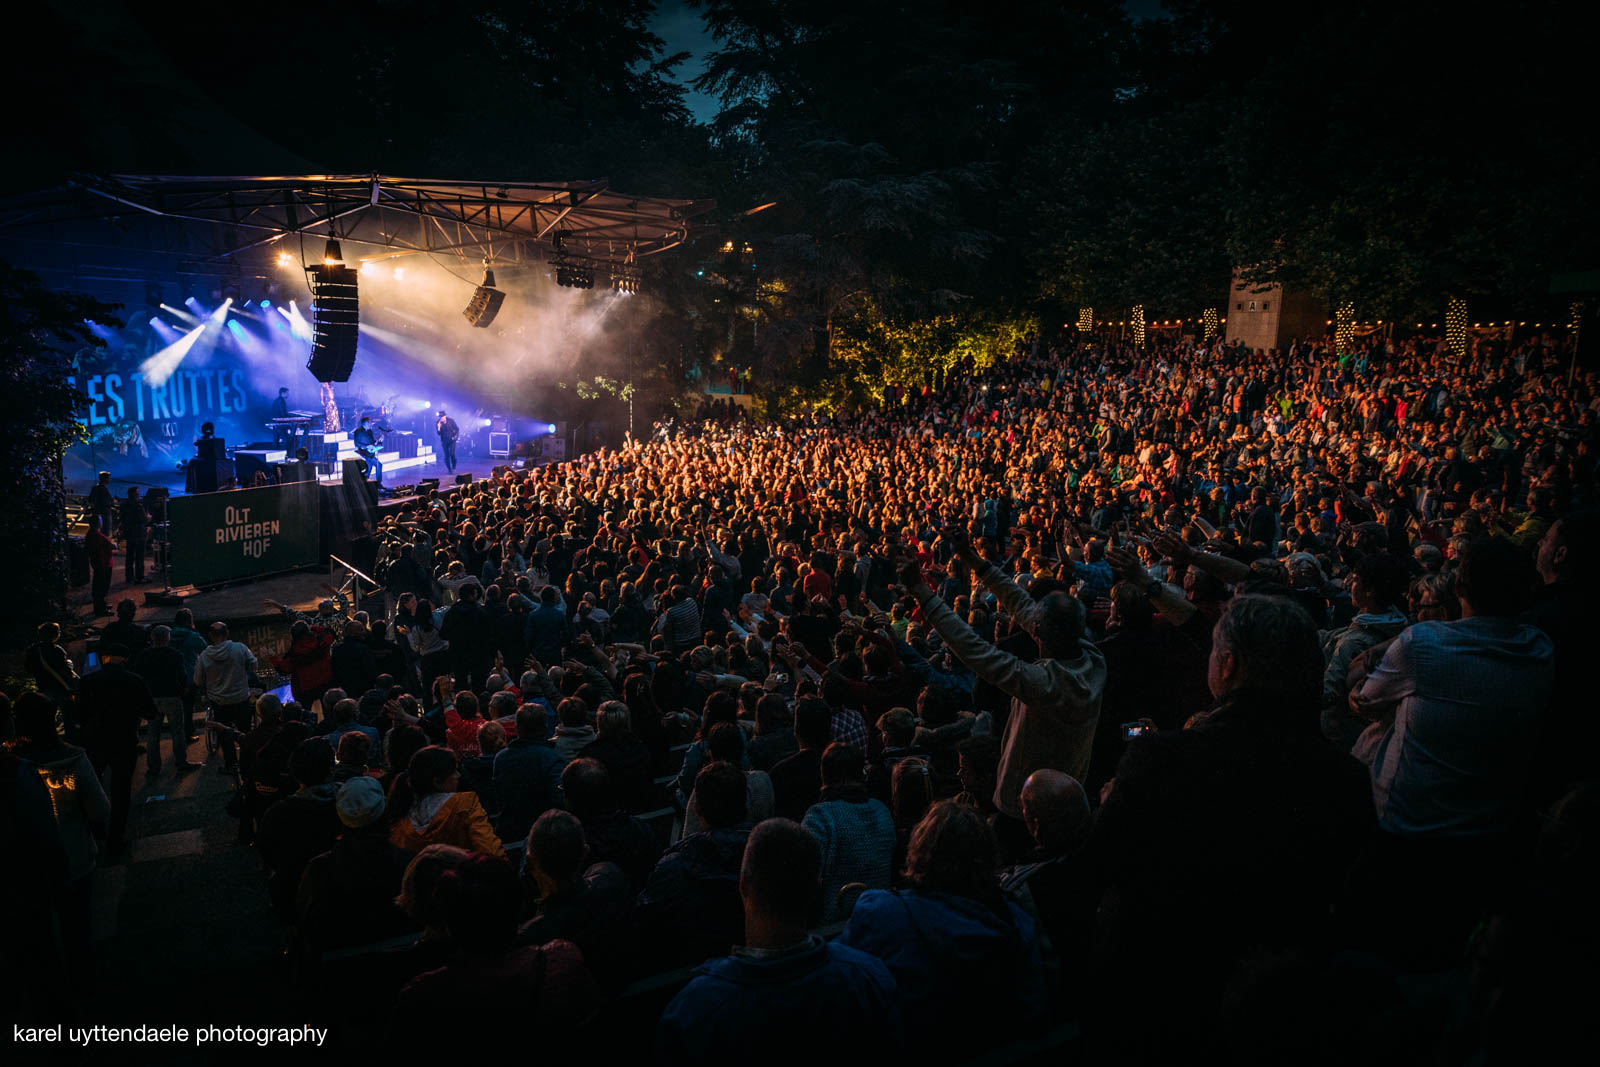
(235,218)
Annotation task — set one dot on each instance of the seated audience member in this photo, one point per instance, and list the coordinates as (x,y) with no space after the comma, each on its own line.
(342,720)
(774,740)
(426,808)
(797,780)
(573,729)
(613,835)
(912,795)
(626,758)
(1252,795)
(726,743)
(549,985)
(477,772)
(527,776)
(301,825)
(1568,562)
(462,721)
(689,910)
(1459,708)
(1377,587)
(589,904)
(744,1000)
(1052,883)
(346,895)
(1463,702)
(350,758)
(951,919)
(854,831)
(898,728)
(977,763)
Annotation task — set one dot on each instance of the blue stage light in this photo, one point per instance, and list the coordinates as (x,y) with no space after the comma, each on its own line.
(266,303)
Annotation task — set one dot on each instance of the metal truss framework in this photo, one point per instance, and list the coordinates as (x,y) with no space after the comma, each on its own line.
(510,222)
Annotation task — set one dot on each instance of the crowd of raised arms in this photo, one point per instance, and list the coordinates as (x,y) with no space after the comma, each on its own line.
(1180,704)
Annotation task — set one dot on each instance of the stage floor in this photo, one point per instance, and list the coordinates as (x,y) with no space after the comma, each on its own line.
(173,481)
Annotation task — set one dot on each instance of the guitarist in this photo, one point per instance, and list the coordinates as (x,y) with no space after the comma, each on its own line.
(366,442)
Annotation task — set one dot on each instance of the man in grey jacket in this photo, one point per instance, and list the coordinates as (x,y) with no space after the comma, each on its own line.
(1055,701)
(222,675)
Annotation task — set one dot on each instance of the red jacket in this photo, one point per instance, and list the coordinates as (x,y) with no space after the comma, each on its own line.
(100,547)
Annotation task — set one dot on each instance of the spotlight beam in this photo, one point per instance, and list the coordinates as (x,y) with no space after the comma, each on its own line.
(159,367)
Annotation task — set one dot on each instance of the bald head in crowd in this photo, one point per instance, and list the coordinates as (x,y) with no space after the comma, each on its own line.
(1055,809)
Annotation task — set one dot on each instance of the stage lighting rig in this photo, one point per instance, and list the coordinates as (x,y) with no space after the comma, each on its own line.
(625,279)
(574,273)
(486,300)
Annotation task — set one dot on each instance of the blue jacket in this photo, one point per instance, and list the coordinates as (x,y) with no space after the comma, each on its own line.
(735,1005)
(527,783)
(964,972)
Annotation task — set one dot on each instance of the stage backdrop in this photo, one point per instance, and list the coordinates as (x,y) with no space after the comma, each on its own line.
(220,537)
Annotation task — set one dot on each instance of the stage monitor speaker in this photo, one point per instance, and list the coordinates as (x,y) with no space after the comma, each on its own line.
(463,479)
(211,448)
(500,471)
(336,321)
(484,307)
(426,484)
(295,471)
(250,462)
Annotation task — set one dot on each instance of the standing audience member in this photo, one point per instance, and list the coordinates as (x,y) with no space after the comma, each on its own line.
(111,703)
(222,675)
(161,667)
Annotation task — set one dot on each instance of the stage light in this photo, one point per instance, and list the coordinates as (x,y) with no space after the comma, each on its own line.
(399,273)
(159,367)
(369,269)
(186,316)
(422,405)
(486,422)
(549,427)
(266,303)
(485,302)
(285,259)
(331,255)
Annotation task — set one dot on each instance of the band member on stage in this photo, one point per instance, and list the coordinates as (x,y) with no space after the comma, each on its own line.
(448,432)
(280,410)
(366,442)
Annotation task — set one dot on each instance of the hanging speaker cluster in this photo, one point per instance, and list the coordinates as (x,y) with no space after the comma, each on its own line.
(335,317)
(485,303)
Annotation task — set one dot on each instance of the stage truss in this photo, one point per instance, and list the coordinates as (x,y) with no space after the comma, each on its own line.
(585,223)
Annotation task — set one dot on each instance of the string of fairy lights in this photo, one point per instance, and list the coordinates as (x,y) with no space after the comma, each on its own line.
(1344,326)
(1210,322)
(1455,325)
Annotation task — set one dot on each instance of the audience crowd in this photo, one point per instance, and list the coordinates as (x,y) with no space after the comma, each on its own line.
(1180,704)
